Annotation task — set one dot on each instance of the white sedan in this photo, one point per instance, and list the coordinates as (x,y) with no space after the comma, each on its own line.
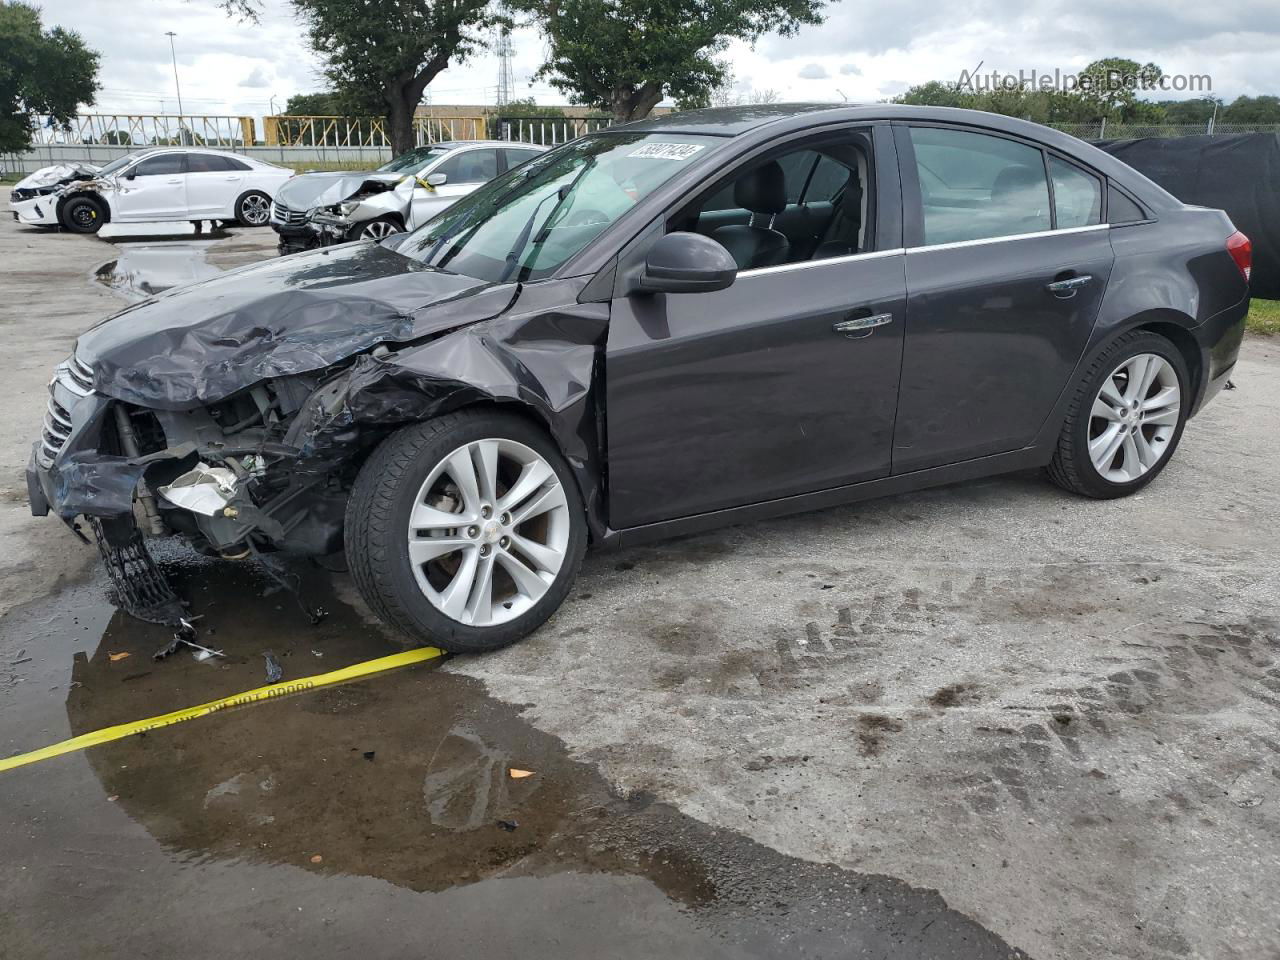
(168,183)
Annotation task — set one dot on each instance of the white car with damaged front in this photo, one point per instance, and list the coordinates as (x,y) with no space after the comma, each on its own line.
(164,184)
(34,193)
(318,209)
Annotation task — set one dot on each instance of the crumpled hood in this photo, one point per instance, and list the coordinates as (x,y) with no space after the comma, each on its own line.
(199,344)
(58,173)
(322,189)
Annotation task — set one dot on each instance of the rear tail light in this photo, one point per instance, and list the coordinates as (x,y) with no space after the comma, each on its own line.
(1241,250)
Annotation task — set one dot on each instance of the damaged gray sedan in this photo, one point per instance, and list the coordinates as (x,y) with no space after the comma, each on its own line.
(658,329)
(320,209)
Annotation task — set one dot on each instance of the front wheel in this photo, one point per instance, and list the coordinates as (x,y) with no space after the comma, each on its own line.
(1126,418)
(467,531)
(377,229)
(83,214)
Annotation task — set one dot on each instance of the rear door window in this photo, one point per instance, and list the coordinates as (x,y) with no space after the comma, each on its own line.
(976,187)
(1077,195)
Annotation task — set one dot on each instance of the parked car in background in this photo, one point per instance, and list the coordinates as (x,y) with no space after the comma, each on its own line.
(318,209)
(45,182)
(658,329)
(162,184)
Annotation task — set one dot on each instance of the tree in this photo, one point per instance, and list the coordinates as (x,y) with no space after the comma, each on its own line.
(624,56)
(1113,86)
(1265,109)
(45,72)
(394,47)
(1197,111)
(345,103)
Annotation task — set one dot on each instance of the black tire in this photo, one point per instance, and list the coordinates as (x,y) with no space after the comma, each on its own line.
(253,209)
(1071,467)
(377,519)
(83,214)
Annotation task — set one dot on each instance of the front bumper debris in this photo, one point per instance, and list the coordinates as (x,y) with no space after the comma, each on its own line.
(141,590)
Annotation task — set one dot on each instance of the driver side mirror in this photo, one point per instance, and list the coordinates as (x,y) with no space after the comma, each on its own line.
(437,179)
(683,262)
(133,172)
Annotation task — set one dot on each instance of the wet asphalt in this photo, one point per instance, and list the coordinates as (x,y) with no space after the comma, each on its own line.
(982,721)
(379,815)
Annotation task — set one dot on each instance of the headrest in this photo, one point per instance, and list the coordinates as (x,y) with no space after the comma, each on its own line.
(763,190)
(1018,179)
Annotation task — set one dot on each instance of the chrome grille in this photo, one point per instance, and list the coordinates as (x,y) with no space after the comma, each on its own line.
(286,215)
(71,381)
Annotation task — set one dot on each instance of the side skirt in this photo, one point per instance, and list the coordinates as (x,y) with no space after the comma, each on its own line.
(1024,459)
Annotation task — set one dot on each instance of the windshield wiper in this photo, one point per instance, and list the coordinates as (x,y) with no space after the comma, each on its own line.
(522,238)
(517,248)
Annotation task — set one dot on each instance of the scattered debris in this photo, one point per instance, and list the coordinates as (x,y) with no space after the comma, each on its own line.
(275,672)
(116,657)
(317,859)
(1230,385)
(519,774)
(369,754)
(508,825)
(185,637)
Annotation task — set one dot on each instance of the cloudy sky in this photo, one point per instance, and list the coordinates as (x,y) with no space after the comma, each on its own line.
(867,50)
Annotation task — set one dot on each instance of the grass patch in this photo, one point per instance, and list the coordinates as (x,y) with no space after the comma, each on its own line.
(1264,317)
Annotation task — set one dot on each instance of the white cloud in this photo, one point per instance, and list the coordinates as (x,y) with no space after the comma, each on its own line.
(257,78)
(812,71)
(850,69)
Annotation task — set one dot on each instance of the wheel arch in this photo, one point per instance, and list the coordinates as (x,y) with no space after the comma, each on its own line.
(1174,325)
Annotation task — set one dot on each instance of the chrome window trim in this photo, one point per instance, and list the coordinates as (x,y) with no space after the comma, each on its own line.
(805,264)
(1014,236)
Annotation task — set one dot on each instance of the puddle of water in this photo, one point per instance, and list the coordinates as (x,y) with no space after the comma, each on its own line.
(403,779)
(143,270)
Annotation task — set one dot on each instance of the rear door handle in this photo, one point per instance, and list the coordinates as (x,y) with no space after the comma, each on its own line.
(858,327)
(1065,289)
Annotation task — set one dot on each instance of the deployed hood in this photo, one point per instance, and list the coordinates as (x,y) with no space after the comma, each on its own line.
(322,189)
(57,174)
(199,344)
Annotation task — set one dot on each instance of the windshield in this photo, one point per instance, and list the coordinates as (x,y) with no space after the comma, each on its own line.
(526,223)
(119,164)
(414,159)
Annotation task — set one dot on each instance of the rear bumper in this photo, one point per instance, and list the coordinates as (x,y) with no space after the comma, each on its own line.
(1219,338)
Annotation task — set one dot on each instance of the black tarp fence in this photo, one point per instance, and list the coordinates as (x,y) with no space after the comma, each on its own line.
(1238,173)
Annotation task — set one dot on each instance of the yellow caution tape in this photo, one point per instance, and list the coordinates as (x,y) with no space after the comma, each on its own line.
(272,692)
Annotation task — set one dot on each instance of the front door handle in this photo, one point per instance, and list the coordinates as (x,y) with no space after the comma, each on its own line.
(1066,289)
(856,327)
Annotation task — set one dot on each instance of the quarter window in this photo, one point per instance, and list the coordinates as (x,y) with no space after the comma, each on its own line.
(1120,209)
(975,187)
(1077,196)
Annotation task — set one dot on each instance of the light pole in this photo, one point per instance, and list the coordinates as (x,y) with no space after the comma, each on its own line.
(174,56)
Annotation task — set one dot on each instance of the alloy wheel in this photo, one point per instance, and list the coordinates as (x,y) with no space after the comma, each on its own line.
(378,229)
(488,532)
(256,210)
(1134,418)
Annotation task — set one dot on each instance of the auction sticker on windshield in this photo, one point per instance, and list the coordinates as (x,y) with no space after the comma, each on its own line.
(667,151)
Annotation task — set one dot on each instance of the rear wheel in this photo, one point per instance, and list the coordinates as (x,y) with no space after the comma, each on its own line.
(253,209)
(83,214)
(467,531)
(1125,420)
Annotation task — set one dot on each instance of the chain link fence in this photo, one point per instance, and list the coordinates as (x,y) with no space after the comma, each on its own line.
(1104,130)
